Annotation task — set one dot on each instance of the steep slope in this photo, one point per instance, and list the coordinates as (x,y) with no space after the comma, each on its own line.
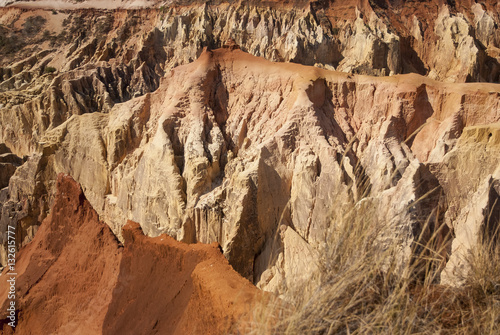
(474,206)
(8,165)
(56,64)
(260,156)
(76,278)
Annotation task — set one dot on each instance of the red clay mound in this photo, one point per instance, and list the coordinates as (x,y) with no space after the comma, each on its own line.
(168,287)
(76,278)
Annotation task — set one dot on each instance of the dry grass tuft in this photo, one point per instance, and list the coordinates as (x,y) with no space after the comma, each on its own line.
(363,289)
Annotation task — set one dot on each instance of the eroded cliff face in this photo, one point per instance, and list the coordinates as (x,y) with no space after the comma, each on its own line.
(474,203)
(57,64)
(259,156)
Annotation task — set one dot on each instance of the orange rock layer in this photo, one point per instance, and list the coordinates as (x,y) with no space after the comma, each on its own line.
(76,278)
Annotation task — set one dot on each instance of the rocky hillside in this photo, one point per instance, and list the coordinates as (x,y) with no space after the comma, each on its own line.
(58,63)
(75,277)
(210,122)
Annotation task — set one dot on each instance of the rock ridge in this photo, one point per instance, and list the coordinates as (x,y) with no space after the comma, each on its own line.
(159,126)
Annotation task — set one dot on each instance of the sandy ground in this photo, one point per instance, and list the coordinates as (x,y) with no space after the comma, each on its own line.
(54,22)
(99,4)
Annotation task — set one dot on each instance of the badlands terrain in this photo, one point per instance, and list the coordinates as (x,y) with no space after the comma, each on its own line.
(219,167)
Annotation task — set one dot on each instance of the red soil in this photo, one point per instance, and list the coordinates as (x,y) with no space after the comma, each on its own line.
(76,278)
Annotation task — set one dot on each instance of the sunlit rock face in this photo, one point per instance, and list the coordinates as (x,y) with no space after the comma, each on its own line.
(250,145)
(87,58)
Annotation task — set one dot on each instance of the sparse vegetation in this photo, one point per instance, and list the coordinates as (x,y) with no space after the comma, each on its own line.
(364,290)
(33,25)
(46,35)
(127,28)
(58,39)
(66,21)
(3,36)
(9,43)
(163,11)
(104,25)
(50,69)
(78,25)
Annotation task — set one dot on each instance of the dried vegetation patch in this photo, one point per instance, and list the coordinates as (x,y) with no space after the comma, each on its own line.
(363,288)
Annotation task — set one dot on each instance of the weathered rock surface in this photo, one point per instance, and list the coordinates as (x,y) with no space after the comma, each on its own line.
(25,203)
(76,278)
(253,154)
(474,202)
(59,64)
(8,165)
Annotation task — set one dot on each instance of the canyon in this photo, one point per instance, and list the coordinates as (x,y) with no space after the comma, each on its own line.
(253,126)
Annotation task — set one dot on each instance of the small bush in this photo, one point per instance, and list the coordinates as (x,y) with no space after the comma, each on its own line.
(78,25)
(46,35)
(62,35)
(33,25)
(9,43)
(104,25)
(50,69)
(66,22)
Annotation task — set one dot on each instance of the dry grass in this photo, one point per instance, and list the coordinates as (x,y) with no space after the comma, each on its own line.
(363,289)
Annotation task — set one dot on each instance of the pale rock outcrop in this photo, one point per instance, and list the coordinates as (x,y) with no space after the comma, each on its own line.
(455,44)
(300,261)
(472,205)
(114,57)
(485,25)
(25,202)
(370,48)
(256,155)
(477,223)
(8,165)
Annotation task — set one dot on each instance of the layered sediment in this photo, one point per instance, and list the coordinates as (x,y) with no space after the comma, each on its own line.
(251,145)
(257,155)
(60,63)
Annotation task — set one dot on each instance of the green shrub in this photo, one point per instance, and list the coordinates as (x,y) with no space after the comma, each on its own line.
(50,69)
(33,25)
